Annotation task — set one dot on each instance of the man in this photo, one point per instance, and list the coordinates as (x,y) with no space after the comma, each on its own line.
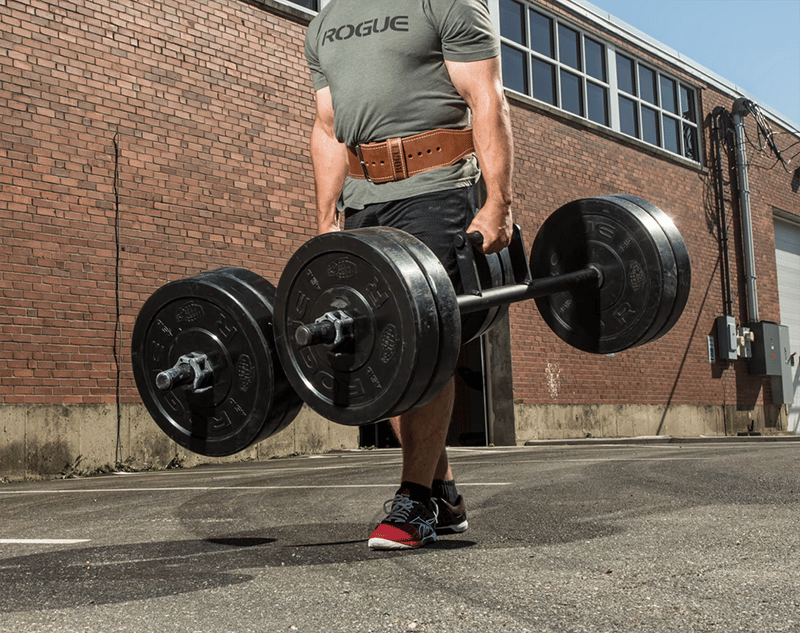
(398,85)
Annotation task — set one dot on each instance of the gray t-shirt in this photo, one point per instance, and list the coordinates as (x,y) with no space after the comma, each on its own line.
(384,63)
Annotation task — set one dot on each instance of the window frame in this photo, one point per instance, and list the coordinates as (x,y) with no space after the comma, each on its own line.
(562,70)
(315,8)
(674,132)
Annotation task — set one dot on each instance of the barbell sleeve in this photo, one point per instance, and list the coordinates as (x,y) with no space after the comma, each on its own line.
(191,369)
(315,334)
(181,374)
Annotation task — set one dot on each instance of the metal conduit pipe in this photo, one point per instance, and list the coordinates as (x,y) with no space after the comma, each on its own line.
(740,110)
(717,136)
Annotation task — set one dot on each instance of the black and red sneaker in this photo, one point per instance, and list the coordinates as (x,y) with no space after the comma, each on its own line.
(409,524)
(451,519)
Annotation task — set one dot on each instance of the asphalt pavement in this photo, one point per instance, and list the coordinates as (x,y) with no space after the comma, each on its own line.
(592,537)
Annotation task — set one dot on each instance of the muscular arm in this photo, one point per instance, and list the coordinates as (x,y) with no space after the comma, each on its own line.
(329,159)
(480,84)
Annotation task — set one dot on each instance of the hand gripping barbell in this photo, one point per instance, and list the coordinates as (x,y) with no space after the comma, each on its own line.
(366,324)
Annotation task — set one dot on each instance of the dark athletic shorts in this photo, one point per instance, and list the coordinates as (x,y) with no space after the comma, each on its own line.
(432,218)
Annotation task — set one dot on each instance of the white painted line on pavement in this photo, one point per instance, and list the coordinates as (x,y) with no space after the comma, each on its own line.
(213,488)
(675,458)
(42,541)
(585,460)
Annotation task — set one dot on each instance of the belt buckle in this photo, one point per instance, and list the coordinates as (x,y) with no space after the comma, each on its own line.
(363,164)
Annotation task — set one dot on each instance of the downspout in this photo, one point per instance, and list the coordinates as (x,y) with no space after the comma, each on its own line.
(740,110)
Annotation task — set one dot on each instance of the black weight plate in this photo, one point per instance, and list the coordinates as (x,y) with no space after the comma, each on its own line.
(502,261)
(682,261)
(221,314)
(286,404)
(669,267)
(494,270)
(638,268)
(450,338)
(388,365)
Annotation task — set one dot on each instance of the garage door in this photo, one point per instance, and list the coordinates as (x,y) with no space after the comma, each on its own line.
(787,255)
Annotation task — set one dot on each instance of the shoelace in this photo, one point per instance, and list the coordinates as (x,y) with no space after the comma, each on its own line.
(401,507)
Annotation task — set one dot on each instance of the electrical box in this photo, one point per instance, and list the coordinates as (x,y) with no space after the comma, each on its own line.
(744,342)
(782,386)
(728,348)
(766,354)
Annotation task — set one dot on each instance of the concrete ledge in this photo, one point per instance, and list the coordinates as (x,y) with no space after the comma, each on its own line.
(655,440)
(578,421)
(45,441)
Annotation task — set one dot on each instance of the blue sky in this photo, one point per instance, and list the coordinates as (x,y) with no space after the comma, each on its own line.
(754,44)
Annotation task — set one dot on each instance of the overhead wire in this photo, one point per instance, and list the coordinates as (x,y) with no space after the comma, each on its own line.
(766,138)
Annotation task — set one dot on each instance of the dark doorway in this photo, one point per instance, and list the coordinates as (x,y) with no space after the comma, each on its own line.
(468,423)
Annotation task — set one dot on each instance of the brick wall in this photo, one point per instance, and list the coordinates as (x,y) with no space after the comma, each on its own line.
(140,143)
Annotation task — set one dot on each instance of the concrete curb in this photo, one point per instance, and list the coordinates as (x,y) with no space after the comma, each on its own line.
(657,439)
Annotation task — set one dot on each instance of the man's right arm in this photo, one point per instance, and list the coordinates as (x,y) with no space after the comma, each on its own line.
(329,159)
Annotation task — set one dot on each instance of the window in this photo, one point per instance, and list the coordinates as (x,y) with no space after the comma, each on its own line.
(553,62)
(313,5)
(656,108)
(556,63)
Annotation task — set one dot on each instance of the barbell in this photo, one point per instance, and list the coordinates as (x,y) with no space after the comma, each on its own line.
(366,324)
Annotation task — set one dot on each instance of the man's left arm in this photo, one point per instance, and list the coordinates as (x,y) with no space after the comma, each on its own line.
(480,84)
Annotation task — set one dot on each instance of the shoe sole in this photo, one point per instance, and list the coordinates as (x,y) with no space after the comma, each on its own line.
(454,528)
(382,543)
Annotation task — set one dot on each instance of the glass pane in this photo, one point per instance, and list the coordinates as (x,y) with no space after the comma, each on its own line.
(569,47)
(512,21)
(672,130)
(628,119)
(542,34)
(595,59)
(598,103)
(515,69)
(308,4)
(647,84)
(626,80)
(668,96)
(650,126)
(571,95)
(544,83)
(687,104)
(690,148)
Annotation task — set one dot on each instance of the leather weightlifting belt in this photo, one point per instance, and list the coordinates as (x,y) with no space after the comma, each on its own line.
(401,158)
